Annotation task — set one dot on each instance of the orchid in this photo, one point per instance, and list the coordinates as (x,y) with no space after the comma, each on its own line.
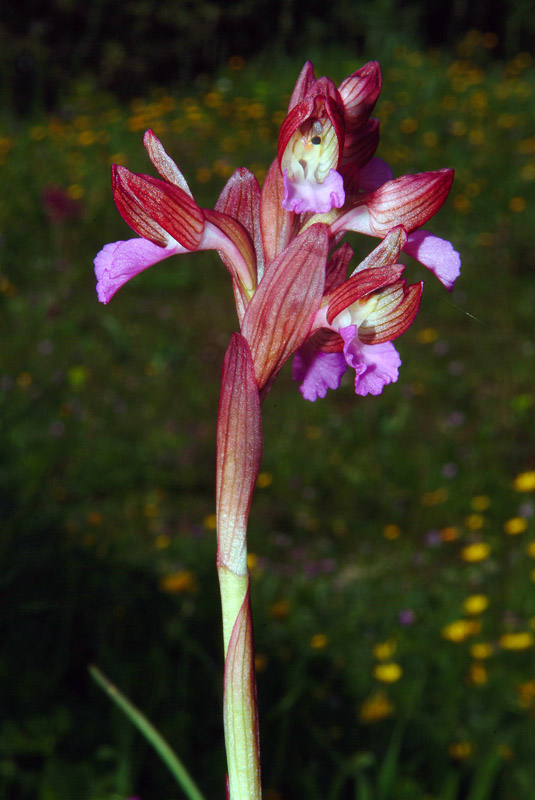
(294,297)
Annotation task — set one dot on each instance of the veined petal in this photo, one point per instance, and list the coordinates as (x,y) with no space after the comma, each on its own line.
(164,163)
(315,371)
(394,311)
(337,265)
(359,93)
(360,146)
(118,262)
(276,223)
(279,317)
(409,201)
(237,252)
(386,253)
(436,254)
(303,84)
(144,201)
(375,365)
(360,285)
(240,199)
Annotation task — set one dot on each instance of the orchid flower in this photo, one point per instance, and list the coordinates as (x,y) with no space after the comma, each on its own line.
(327,133)
(169,222)
(325,155)
(356,324)
(293,297)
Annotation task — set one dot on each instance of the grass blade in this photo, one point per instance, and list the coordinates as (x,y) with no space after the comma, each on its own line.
(183,778)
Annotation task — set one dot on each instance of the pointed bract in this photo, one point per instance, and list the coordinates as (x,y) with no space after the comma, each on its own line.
(240,199)
(279,317)
(239,452)
(276,223)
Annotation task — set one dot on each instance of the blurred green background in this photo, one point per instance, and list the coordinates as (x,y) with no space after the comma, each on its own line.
(392,538)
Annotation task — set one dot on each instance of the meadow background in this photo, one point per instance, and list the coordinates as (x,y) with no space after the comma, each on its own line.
(392,538)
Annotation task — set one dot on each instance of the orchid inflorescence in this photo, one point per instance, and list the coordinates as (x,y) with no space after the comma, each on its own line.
(279,242)
(282,247)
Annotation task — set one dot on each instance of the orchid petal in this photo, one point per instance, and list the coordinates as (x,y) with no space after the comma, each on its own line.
(305,80)
(359,93)
(144,201)
(375,365)
(315,372)
(164,163)
(395,310)
(336,271)
(409,201)
(360,146)
(387,251)
(240,199)
(275,222)
(359,285)
(436,254)
(302,195)
(118,262)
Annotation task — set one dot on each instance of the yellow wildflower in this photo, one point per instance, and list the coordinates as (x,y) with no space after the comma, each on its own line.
(210,522)
(252,560)
(515,525)
(520,640)
(461,629)
(480,502)
(391,531)
(525,482)
(475,522)
(181,582)
(384,650)
(388,672)
(449,534)
(526,694)
(319,641)
(481,650)
(478,551)
(264,480)
(260,662)
(476,603)
(376,708)
(477,674)
(280,609)
(460,750)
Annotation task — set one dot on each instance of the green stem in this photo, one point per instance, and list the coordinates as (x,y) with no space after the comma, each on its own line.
(183,778)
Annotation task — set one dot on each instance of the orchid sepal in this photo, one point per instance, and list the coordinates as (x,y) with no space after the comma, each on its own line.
(156,209)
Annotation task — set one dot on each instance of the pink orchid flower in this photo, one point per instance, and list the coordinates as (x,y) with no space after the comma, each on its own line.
(325,155)
(290,297)
(326,135)
(357,322)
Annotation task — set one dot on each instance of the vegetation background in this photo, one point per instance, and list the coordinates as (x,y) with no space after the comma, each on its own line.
(392,538)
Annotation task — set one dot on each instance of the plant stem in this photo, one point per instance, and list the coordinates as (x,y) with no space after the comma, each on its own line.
(239,451)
